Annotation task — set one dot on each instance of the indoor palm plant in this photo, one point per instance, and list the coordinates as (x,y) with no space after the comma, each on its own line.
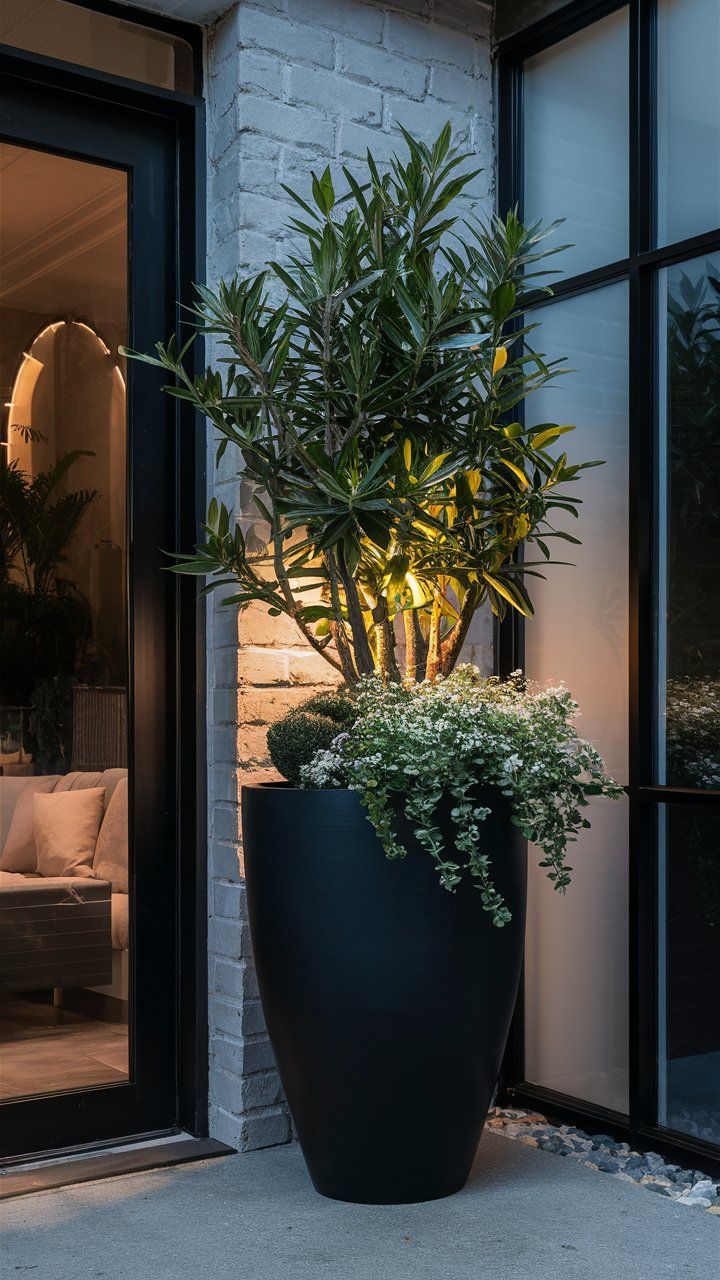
(45,620)
(371,386)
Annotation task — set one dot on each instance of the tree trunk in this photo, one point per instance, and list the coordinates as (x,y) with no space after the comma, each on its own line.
(385,641)
(361,645)
(434,658)
(416,648)
(451,646)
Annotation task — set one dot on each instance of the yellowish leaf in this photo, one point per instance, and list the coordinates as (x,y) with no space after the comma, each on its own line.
(416,591)
(511,598)
(548,436)
(499,359)
(524,483)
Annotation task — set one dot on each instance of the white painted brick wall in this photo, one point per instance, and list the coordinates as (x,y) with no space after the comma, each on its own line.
(294,84)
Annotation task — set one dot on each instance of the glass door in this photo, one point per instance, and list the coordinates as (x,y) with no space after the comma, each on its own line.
(88,840)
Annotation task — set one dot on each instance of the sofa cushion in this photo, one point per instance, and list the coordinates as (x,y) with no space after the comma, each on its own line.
(111,852)
(16,819)
(12,880)
(37,886)
(78,781)
(119,921)
(109,779)
(66,826)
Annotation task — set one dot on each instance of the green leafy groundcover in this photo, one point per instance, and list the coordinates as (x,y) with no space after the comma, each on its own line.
(451,736)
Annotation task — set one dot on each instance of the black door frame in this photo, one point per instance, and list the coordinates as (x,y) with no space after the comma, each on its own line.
(102,1117)
(638,269)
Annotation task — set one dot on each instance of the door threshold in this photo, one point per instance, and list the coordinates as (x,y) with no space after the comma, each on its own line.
(110,1162)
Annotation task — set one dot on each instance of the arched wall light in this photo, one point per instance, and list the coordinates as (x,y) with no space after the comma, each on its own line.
(31,368)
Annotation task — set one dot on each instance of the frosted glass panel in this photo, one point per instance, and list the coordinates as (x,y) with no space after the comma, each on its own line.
(688,118)
(576,1015)
(575,142)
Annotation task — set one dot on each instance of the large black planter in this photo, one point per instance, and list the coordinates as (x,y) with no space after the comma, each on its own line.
(387,999)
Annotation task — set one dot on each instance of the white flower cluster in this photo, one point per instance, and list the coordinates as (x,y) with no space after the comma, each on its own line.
(449,737)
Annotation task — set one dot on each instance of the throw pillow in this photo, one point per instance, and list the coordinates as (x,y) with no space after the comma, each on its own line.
(66,826)
(18,853)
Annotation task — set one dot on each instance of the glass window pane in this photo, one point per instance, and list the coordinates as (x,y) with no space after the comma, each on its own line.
(575,142)
(71,33)
(689,977)
(65,910)
(688,118)
(576,1015)
(688,642)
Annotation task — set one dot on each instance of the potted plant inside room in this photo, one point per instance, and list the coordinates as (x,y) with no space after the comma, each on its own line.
(370,386)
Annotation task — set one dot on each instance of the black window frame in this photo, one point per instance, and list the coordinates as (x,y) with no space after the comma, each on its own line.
(185,113)
(640,270)
(190,32)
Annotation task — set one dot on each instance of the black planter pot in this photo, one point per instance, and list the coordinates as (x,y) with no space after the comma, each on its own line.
(388,1000)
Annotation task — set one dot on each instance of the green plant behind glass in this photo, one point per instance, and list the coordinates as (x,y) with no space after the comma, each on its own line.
(45,619)
(373,410)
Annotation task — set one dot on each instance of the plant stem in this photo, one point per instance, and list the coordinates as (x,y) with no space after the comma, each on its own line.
(451,646)
(434,660)
(338,626)
(361,644)
(287,593)
(385,641)
(326,327)
(416,648)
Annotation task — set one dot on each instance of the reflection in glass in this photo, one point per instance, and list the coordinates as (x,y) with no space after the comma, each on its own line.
(64,917)
(688,643)
(576,1015)
(104,41)
(575,142)
(689,978)
(688,55)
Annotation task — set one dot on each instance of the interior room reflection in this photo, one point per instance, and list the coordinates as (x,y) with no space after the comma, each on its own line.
(64,905)
(688,737)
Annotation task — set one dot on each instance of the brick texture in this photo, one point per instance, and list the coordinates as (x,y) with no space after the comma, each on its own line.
(294,84)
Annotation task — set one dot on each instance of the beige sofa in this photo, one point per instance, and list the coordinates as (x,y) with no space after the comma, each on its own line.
(64,931)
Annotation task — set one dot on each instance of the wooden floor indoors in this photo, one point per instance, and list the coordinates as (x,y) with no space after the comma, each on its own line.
(49,1050)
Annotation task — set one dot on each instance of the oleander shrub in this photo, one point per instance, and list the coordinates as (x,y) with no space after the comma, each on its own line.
(369,387)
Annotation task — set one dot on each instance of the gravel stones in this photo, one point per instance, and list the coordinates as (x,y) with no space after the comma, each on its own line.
(601,1152)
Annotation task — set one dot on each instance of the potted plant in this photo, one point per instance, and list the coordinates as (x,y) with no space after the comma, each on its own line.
(46,621)
(370,386)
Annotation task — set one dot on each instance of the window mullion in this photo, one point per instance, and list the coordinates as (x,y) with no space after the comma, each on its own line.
(643,472)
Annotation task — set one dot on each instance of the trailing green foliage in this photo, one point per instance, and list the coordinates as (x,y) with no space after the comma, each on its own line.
(45,621)
(422,742)
(373,411)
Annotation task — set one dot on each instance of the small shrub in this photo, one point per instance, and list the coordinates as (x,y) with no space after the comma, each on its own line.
(339,707)
(294,741)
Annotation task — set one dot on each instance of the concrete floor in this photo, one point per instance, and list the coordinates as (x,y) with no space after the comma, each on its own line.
(525,1215)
